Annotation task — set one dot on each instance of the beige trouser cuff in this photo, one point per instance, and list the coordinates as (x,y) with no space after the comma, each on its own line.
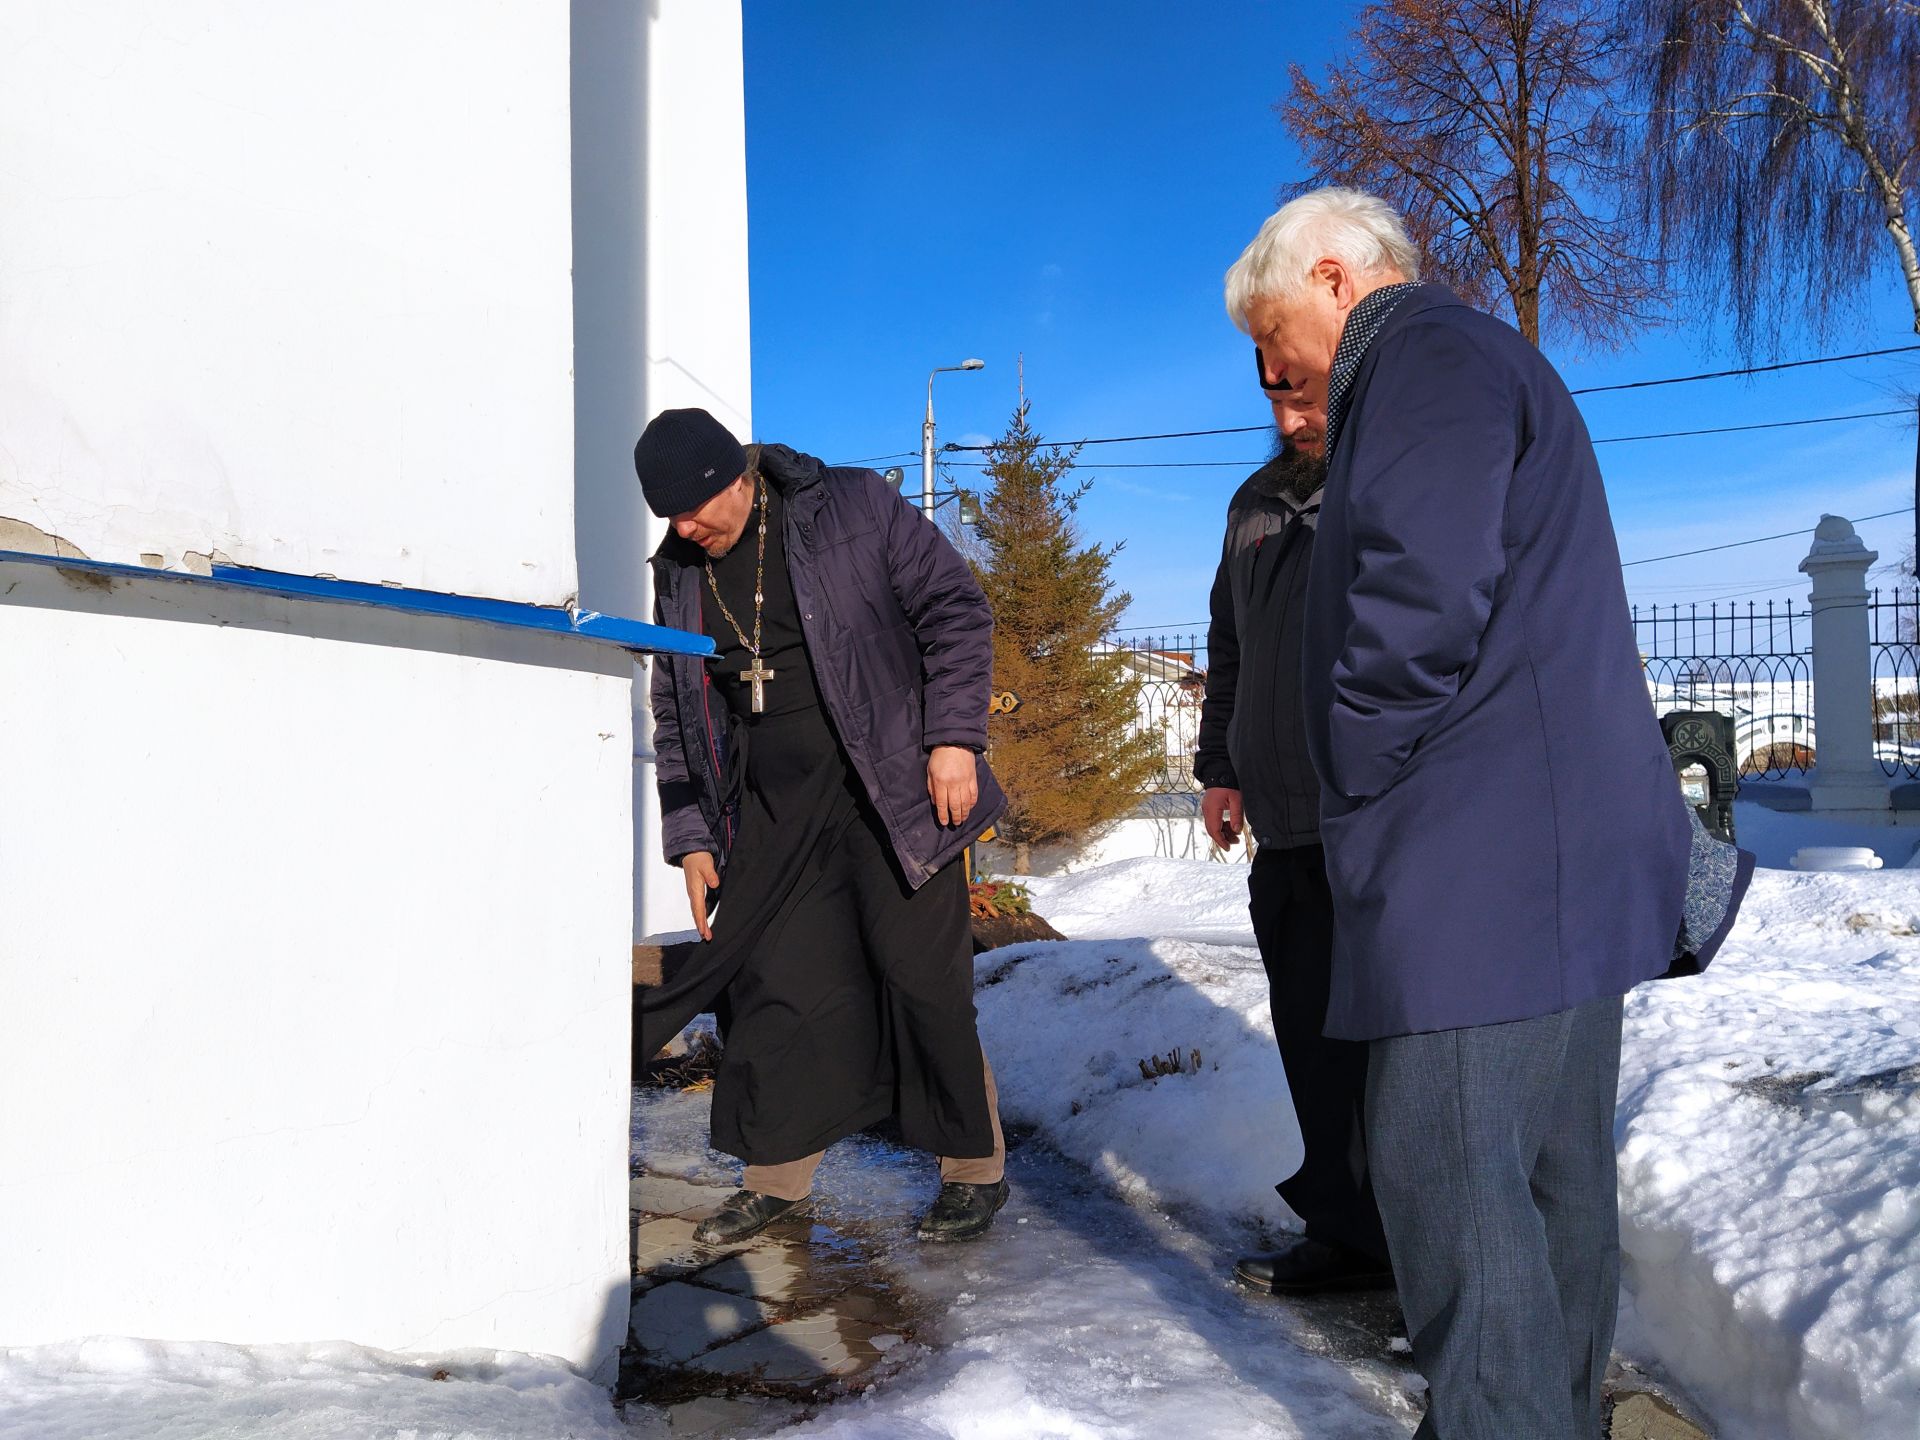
(793,1179)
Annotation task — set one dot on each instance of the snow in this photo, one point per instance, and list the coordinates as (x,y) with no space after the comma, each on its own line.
(1080,1317)
(1769,1133)
(1774,835)
(1148,897)
(1769,1123)
(119,1389)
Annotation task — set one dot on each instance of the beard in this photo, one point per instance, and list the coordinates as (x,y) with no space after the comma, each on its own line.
(1292,472)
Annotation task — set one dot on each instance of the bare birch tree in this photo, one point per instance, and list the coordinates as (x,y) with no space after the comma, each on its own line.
(1489,125)
(1781,144)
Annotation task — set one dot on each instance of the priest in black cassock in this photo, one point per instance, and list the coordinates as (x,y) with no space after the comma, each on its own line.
(819,782)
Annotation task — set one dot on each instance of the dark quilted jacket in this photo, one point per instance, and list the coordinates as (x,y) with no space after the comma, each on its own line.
(901,641)
(1253,724)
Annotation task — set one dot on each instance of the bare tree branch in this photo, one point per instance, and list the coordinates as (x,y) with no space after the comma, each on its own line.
(1779,140)
(1487,122)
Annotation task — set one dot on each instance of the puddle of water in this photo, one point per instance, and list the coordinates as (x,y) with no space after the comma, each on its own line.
(785,1323)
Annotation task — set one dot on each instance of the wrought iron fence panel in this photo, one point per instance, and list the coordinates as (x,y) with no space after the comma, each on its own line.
(1751,661)
(1171,672)
(1894,621)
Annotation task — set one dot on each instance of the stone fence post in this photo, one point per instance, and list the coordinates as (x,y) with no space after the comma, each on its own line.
(1846,774)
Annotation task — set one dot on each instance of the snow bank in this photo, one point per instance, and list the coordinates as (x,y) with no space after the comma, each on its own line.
(1154,898)
(1770,1164)
(1769,1122)
(116,1389)
(1070,1026)
(1078,1032)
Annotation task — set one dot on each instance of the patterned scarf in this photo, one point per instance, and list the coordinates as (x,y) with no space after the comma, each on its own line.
(1363,323)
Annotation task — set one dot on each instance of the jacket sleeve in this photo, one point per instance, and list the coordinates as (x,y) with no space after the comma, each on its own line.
(1211,764)
(1426,507)
(952,623)
(683,828)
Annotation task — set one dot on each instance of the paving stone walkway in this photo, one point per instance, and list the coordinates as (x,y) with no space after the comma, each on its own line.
(798,1316)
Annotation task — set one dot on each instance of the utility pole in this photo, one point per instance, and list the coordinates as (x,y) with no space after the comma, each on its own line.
(926,434)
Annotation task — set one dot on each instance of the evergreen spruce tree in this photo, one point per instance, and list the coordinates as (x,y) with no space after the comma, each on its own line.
(1073,756)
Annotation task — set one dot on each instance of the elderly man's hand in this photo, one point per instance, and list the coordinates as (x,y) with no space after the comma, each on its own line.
(953,784)
(1220,814)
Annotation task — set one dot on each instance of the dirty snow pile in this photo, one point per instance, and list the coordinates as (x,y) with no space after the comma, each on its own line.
(1769,1122)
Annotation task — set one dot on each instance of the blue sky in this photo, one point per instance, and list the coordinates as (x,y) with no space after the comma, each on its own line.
(928,182)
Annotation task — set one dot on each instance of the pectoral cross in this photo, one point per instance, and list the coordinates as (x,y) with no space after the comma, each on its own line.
(758,675)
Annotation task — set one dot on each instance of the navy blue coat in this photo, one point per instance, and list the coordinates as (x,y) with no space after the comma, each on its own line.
(901,640)
(1504,834)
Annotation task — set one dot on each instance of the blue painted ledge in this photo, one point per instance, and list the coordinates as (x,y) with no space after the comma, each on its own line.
(632,635)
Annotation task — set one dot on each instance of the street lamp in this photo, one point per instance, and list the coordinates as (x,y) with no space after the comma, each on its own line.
(926,434)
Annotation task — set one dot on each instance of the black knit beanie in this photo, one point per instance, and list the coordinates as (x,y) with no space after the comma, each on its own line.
(684,459)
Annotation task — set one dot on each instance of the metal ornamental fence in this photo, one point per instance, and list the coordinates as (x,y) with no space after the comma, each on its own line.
(1172,675)
(1751,661)
(1894,627)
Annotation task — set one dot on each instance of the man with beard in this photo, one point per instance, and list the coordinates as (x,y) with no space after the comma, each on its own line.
(821,781)
(1252,758)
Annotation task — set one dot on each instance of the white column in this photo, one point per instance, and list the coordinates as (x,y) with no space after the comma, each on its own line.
(660,304)
(1846,775)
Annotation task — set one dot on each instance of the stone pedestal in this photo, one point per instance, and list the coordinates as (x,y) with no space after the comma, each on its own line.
(1846,776)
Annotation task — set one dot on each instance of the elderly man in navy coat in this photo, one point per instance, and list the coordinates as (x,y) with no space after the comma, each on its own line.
(1506,845)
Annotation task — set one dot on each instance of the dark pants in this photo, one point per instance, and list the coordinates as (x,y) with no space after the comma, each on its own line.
(1293,921)
(1493,1160)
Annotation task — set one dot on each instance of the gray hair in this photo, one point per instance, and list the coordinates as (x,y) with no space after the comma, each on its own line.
(1360,230)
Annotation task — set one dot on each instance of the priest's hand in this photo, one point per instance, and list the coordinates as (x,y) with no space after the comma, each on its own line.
(1221,815)
(702,875)
(953,784)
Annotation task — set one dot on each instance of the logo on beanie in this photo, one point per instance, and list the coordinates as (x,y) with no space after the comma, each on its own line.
(707,474)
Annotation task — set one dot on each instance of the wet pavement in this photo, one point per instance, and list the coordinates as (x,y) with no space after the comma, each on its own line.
(756,1333)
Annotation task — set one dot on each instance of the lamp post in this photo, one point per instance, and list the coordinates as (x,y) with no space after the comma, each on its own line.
(926,434)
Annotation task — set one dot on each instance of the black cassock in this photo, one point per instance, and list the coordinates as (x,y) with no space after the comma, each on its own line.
(842,995)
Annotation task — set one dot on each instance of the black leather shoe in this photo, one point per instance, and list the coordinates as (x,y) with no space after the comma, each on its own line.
(962,1212)
(743,1213)
(1309,1267)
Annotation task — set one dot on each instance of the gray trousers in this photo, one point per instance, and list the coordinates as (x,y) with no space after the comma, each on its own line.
(1492,1156)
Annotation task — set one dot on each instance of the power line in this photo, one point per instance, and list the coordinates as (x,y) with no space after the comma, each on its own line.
(1735,429)
(1584,390)
(1605,440)
(1757,540)
(1744,370)
(876,459)
(1126,439)
(1138,464)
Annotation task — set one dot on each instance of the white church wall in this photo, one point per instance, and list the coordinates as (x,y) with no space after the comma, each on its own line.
(661,302)
(313,974)
(314,920)
(289,282)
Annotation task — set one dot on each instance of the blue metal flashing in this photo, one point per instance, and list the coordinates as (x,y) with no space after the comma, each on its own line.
(633,635)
